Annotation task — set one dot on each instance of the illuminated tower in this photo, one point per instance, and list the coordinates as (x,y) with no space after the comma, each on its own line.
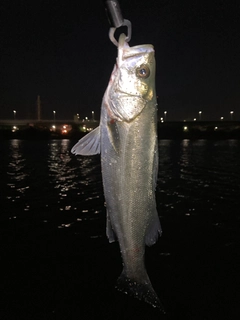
(38,108)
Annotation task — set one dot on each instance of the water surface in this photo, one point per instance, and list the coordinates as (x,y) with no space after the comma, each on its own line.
(52,231)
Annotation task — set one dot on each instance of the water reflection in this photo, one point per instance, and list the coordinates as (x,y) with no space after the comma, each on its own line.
(61,173)
(196,178)
(16,171)
(76,179)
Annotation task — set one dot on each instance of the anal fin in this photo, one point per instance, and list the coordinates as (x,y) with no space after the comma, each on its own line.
(154,230)
(109,230)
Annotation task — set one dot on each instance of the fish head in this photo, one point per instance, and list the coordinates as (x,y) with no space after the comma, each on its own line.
(132,84)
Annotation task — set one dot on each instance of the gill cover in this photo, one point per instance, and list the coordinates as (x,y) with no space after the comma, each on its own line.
(133,84)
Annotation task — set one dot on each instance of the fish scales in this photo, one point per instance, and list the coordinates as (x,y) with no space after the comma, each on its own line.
(127,141)
(131,191)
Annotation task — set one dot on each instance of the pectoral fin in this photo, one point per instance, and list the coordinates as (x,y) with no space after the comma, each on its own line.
(89,144)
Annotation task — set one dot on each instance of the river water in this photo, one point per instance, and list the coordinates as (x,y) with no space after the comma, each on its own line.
(53,242)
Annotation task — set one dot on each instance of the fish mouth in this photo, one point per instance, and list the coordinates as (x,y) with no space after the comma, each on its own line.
(125,94)
(139,50)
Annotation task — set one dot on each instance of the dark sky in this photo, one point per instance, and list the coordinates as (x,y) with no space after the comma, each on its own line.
(60,50)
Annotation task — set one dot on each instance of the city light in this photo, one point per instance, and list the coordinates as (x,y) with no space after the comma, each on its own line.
(14,114)
(200,115)
(54,115)
(165,115)
(66,128)
(14,129)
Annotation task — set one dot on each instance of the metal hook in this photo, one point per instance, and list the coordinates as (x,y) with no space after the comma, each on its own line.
(114,13)
(126,23)
(116,20)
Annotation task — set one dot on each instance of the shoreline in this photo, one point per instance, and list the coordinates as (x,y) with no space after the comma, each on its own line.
(167,130)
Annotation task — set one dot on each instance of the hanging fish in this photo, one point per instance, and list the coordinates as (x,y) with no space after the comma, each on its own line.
(127,141)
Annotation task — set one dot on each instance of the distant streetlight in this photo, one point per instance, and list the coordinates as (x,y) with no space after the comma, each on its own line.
(54,115)
(165,115)
(231,114)
(221,118)
(200,115)
(14,114)
(92,115)
(195,119)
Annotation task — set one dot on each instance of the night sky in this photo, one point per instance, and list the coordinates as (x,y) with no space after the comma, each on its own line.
(60,50)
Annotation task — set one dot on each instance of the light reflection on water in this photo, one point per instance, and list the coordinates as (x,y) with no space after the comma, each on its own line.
(16,171)
(61,174)
(75,179)
(43,178)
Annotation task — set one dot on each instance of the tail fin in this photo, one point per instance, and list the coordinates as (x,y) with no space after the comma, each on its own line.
(142,291)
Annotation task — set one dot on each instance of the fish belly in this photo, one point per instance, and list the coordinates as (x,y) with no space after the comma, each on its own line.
(129,168)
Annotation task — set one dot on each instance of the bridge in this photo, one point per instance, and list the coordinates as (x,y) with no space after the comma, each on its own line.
(75,128)
(53,125)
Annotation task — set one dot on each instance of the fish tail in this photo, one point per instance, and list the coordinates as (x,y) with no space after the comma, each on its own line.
(141,291)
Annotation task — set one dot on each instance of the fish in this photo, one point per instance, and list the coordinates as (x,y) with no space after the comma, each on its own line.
(127,140)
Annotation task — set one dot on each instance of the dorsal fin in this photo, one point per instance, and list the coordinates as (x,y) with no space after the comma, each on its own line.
(89,144)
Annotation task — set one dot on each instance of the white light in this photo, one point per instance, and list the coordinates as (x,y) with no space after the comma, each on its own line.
(14,128)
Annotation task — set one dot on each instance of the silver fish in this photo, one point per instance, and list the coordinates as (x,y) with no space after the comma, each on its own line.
(127,141)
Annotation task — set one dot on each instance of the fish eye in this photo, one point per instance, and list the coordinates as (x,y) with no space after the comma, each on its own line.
(143,71)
